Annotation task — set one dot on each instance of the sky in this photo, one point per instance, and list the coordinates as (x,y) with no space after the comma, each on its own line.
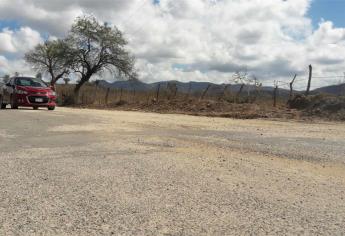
(194,40)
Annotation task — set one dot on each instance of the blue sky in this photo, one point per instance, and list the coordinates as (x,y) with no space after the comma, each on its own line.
(332,10)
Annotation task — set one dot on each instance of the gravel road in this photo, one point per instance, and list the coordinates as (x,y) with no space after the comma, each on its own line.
(89,172)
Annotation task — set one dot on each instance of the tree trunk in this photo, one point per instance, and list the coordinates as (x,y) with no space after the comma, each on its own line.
(77,90)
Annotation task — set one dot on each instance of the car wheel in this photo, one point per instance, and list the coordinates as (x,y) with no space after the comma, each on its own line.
(13,104)
(51,108)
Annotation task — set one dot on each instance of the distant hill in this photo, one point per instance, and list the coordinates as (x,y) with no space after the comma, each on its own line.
(194,87)
(334,89)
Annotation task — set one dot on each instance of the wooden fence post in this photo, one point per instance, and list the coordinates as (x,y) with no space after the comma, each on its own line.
(275,95)
(107,97)
(148,97)
(175,92)
(309,80)
(189,90)
(96,92)
(121,91)
(222,95)
(205,92)
(134,93)
(157,92)
(291,87)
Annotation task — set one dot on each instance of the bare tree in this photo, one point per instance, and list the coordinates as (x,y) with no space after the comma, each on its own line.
(96,48)
(240,77)
(52,57)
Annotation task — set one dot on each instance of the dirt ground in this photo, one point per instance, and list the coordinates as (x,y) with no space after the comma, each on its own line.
(93,172)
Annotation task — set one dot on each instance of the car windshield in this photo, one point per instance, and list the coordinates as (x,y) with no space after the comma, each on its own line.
(31,82)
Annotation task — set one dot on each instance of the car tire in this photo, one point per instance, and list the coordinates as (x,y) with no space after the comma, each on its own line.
(51,108)
(13,104)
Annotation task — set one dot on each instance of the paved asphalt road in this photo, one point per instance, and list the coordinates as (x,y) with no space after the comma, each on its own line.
(89,172)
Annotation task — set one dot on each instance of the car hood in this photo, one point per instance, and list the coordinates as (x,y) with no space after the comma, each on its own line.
(35,89)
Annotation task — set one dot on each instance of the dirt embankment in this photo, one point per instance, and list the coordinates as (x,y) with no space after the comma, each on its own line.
(321,106)
(208,108)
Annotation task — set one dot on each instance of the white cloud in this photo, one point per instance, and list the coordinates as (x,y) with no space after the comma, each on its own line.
(205,40)
(13,45)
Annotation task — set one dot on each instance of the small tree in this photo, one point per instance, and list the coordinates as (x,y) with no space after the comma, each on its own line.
(240,77)
(39,75)
(66,80)
(52,57)
(95,48)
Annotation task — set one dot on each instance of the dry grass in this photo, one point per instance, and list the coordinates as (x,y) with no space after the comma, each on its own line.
(214,105)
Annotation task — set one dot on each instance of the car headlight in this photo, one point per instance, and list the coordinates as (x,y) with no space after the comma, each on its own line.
(21,92)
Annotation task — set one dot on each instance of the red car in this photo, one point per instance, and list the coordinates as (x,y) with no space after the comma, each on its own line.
(27,92)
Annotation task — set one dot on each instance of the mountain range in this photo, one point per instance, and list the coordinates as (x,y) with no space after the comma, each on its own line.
(192,87)
(195,87)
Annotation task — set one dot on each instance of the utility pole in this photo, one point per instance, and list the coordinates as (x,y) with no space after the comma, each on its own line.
(309,80)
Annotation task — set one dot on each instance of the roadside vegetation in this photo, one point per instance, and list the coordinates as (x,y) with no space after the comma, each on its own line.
(214,103)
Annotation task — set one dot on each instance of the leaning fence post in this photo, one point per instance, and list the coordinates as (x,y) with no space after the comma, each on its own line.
(175,92)
(222,95)
(275,95)
(157,93)
(291,87)
(309,80)
(205,92)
